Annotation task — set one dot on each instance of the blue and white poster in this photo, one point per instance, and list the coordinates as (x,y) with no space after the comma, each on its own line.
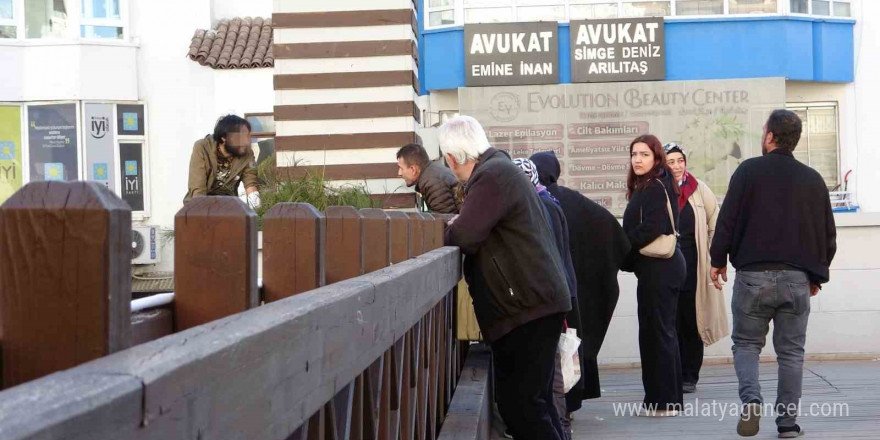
(53,142)
(99,126)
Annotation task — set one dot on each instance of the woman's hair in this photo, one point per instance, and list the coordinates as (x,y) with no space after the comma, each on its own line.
(637,183)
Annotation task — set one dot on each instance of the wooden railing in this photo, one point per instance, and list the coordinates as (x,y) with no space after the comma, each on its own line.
(369,355)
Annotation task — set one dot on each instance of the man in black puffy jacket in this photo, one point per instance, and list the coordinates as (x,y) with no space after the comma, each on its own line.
(433,181)
(515,274)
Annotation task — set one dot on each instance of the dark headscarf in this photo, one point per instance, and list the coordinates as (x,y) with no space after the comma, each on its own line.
(598,247)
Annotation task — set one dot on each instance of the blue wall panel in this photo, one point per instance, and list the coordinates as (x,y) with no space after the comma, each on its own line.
(833,52)
(803,49)
(739,49)
(444,59)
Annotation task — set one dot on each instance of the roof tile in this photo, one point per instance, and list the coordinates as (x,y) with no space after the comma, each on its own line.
(237,43)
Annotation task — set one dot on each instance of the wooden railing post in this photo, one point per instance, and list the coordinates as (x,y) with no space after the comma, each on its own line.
(377,239)
(399,236)
(416,234)
(65,277)
(293,250)
(345,238)
(215,260)
(429,237)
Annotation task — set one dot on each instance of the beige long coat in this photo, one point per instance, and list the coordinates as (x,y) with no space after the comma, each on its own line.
(711,309)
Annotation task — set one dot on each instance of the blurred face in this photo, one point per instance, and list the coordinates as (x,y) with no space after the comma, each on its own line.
(678,164)
(409,173)
(641,158)
(238,144)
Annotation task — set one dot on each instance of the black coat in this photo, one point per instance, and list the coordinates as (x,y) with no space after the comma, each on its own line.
(512,266)
(776,210)
(559,226)
(598,248)
(647,216)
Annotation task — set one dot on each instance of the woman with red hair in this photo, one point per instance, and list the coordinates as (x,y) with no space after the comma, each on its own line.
(651,221)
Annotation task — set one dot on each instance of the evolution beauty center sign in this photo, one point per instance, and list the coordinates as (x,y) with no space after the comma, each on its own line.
(511,54)
(628,49)
(590,126)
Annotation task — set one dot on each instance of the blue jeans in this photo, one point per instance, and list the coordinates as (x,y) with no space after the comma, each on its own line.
(784,297)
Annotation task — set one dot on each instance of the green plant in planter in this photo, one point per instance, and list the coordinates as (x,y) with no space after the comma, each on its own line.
(279,186)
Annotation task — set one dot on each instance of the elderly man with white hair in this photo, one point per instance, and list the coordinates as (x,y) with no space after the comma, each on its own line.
(515,276)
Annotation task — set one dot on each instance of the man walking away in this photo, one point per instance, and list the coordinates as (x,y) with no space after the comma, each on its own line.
(515,274)
(433,181)
(776,224)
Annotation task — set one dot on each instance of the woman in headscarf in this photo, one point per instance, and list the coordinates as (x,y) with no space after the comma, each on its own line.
(702,315)
(598,248)
(558,225)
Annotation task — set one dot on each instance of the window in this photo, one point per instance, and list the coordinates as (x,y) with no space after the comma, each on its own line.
(752,6)
(488,11)
(821,7)
(699,7)
(441,12)
(444,13)
(262,135)
(825,8)
(818,146)
(488,15)
(842,9)
(8,26)
(64,19)
(593,11)
(101,19)
(46,18)
(645,9)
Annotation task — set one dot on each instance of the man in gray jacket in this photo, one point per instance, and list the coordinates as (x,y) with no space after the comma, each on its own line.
(515,274)
(433,181)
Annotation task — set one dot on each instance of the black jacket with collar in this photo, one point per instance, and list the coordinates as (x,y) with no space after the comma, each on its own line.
(776,210)
(512,266)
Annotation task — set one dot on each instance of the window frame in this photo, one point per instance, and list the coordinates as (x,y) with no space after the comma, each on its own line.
(75,21)
(17,20)
(805,107)
(142,139)
(261,134)
(103,22)
(831,4)
(783,8)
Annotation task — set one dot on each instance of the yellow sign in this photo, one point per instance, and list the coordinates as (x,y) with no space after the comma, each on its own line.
(10,151)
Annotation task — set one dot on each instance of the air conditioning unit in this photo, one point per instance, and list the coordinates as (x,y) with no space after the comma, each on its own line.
(144,245)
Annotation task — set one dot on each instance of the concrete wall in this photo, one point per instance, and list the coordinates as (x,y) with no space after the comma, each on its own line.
(221,9)
(93,70)
(865,99)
